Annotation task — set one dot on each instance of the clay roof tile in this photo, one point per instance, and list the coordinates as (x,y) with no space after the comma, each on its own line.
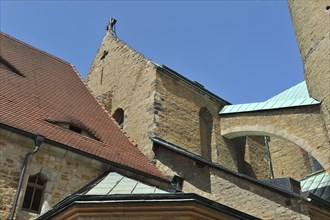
(39,91)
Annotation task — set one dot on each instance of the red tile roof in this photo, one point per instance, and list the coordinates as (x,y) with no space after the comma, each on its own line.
(37,89)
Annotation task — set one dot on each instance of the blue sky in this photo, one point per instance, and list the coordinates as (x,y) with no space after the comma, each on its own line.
(243,51)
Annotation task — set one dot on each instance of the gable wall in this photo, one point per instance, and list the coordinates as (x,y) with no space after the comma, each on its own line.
(125,79)
(157,103)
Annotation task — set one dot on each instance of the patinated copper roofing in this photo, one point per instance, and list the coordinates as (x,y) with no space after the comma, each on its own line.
(115,183)
(318,184)
(295,96)
(38,91)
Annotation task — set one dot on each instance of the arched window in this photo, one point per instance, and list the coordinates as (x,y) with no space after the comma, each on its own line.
(205,126)
(119,117)
(33,194)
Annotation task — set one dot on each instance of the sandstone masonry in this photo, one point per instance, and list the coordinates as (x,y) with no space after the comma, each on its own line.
(64,171)
(311,20)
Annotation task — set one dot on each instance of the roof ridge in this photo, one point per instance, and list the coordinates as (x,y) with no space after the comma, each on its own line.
(291,90)
(36,49)
(90,91)
(295,96)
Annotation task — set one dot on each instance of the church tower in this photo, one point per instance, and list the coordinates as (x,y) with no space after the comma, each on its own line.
(311,20)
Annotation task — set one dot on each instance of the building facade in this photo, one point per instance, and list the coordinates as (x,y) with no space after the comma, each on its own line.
(160,141)
(179,119)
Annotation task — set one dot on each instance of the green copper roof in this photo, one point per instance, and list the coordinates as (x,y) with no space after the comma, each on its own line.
(114,183)
(318,184)
(295,96)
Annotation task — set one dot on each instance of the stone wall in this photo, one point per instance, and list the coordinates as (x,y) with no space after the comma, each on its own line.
(64,171)
(255,158)
(178,119)
(125,79)
(155,103)
(311,20)
(230,189)
(299,125)
(288,159)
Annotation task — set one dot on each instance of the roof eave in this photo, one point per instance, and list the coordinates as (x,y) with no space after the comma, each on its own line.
(191,83)
(201,160)
(162,181)
(143,198)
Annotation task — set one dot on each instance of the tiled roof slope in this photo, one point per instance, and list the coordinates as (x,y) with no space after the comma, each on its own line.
(295,96)
(38,89)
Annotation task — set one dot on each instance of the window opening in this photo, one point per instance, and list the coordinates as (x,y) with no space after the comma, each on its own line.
(119,117)
(34,193)
(105,53)
(75,129)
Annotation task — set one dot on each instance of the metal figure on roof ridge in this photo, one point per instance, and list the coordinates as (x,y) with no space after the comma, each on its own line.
(111,27)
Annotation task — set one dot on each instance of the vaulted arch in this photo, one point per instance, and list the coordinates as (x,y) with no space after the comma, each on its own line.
(302,126)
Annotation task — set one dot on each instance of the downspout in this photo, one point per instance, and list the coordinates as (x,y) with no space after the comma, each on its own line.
(271,173)
(37,142)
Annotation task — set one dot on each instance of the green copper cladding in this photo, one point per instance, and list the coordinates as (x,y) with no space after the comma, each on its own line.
(295,96)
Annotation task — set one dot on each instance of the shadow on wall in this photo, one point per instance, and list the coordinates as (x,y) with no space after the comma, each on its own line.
(234,156)
(194,173)
(239,183)
(240,153)
(248,154)
(205,129)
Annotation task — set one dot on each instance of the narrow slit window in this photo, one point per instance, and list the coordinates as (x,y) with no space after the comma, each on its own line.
(34,193)
(119,117)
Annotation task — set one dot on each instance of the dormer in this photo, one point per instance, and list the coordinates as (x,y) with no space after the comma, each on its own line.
(76,129)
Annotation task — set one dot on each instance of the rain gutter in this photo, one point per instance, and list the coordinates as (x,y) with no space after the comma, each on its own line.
(162,183)
(37,142)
